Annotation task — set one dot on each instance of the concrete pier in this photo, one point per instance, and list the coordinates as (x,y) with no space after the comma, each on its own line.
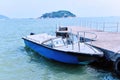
(109,42)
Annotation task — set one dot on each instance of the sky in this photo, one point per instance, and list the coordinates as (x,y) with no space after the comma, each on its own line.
(81,8)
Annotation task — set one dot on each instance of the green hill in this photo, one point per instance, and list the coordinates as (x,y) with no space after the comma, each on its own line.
(58,14)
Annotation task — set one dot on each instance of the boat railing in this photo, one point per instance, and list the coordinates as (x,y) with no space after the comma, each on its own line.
(86,36)
(82,37)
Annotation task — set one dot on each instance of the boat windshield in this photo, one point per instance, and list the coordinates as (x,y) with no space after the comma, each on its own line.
(56,42)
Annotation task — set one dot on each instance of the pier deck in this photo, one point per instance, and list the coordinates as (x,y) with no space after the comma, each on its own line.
(110,41)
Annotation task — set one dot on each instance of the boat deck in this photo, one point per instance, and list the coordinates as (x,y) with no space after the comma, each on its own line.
(39,38)
(82,48)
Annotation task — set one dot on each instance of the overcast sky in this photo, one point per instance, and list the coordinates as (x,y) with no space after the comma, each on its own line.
(82,8)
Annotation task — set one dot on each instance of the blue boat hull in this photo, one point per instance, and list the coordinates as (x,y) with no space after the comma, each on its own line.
(61,56)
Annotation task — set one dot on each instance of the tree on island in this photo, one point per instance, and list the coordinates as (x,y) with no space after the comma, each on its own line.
(58,14)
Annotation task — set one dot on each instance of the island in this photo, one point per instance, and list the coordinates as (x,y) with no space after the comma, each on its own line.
(3,17)
(58,14)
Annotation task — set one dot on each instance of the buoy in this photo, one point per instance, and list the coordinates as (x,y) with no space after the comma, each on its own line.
(117,66)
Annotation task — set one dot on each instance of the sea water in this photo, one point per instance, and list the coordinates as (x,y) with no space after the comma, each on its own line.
(20,63)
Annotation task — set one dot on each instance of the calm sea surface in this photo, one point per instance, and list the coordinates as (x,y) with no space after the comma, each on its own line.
(19,63)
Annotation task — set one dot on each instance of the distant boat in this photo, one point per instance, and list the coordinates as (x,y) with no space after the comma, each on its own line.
(62,49)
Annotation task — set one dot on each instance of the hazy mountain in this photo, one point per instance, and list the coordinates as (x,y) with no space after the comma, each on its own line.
(3,17)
